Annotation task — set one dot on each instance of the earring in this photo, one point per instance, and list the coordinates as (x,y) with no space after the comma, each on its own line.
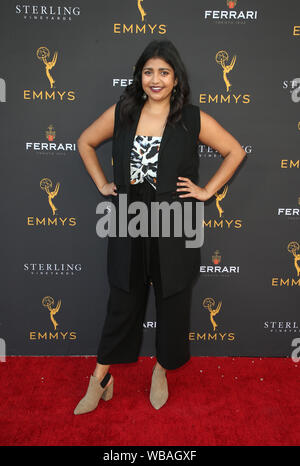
(144,96)
(173,94)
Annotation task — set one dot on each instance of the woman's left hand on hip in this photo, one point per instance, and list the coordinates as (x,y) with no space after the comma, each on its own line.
(193,190)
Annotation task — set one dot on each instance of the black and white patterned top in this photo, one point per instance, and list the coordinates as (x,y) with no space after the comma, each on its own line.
(143,159)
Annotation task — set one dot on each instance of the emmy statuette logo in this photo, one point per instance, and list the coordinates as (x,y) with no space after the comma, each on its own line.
(209,303)
(55,334)
(236,97)
(222,222)
(43,54)
(222,58)
(220,197)
(50,91)
(46,185)
(138,28)
(215,334)
(141,9)
(48,302)
(293,248)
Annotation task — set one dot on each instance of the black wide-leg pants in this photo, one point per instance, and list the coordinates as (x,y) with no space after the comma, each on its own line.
(122,332)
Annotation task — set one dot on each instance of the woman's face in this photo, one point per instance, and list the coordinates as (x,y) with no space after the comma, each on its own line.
(158,79)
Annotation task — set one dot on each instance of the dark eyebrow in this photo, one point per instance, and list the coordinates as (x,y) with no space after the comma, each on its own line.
(148,68)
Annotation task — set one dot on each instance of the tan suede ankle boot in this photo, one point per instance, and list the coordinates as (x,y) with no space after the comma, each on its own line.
(159,388)
(93,395)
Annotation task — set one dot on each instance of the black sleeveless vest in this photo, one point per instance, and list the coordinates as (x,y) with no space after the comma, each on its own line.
(178,156)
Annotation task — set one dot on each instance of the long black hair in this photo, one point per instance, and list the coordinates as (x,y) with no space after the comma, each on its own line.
(132,97)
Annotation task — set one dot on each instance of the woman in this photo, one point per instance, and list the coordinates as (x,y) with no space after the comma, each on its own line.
(155,136)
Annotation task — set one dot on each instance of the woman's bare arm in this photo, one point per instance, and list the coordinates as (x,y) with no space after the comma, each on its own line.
(99,131)
(214,135)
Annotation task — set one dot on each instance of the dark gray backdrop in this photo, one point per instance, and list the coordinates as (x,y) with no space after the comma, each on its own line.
(257,283)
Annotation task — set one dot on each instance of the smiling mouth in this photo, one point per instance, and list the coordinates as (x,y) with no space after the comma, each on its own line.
(156,89)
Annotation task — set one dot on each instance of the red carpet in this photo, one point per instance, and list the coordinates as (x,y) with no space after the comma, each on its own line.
(212,401)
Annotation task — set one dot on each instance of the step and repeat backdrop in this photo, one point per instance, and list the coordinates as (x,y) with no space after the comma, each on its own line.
(63,63)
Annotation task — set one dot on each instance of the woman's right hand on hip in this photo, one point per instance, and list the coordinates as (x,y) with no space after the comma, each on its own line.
(108,189)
